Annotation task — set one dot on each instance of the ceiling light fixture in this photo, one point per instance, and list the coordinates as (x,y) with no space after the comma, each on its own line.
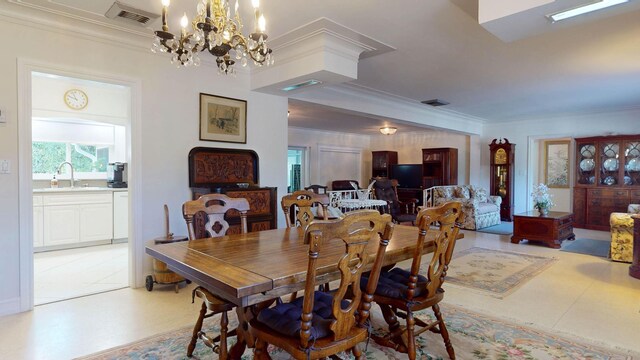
(583,9)
(388,130)
(215,30)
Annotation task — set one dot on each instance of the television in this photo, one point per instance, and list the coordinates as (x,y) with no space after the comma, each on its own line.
(408,175)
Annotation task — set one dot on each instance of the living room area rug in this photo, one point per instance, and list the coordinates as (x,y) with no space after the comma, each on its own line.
(473,335)
(587,247)
(504,228)
(494,272)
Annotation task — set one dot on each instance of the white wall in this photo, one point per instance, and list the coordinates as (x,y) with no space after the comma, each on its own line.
(169,127)
(409,147)
(526,135)
(313,139)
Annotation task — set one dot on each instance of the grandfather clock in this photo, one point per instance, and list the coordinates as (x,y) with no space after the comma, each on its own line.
(501,172)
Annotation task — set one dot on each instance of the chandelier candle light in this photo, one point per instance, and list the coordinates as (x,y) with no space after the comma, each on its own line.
(215,30)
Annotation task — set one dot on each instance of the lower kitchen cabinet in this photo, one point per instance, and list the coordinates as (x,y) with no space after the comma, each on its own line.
(120,215)
(61,225)
(96,222)
(38,222)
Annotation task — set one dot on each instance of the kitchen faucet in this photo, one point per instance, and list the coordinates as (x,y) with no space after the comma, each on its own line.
(72,179)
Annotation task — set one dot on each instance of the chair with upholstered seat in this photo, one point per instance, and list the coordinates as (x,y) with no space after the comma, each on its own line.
(402,292)
(205,218)
(622,234)
(342,185)
(322,324)
(298,207)
(386,189)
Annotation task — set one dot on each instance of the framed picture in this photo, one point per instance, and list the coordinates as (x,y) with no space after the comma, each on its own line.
(556,164)
(223,119)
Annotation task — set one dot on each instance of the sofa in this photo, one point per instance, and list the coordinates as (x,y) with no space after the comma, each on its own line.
(622,234)
(479,210)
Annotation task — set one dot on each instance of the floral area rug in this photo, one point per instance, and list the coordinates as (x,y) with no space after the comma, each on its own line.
(473,335)
(495,272)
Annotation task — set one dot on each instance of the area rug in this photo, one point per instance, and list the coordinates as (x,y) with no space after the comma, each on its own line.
(587,246)
(494,272)
(504,228)
(473,335)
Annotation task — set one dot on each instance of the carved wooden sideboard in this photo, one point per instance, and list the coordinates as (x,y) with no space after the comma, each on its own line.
(234,173)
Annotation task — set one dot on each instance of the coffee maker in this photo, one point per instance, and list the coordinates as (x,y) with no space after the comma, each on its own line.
(117,175)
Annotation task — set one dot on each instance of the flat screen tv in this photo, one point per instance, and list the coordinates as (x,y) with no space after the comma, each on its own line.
(408,175)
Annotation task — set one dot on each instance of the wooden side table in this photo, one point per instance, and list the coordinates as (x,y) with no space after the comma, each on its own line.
(551,229)
(634,269)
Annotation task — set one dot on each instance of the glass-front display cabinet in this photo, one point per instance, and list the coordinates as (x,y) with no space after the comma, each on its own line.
(501,172)
(607,178)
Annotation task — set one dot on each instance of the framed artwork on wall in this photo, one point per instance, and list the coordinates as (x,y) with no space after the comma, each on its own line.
(556,164)
(223,119)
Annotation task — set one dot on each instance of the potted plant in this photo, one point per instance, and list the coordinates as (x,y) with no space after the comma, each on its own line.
(541,198)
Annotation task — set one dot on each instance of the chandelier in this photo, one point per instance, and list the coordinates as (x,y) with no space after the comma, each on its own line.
(213,29)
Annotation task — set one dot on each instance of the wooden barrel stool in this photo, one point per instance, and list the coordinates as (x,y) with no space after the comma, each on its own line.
(161,273)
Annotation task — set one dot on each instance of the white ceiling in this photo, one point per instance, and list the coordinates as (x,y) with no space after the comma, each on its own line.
(590,64)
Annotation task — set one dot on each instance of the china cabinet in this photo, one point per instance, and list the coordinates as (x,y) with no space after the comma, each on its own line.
(439,167)
(607,178)
(381,162)
(501,173)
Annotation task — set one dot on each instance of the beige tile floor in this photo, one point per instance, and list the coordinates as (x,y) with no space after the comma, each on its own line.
(66,274)
(580,296)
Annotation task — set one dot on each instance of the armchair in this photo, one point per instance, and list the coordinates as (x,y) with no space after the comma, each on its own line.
(478,209)
(341,185)
(386,189)
(622,234)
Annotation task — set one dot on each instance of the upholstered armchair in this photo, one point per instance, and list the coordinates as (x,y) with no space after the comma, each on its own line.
(622,234)
(478,209)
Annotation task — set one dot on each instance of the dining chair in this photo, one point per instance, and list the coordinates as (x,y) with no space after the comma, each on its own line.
(297,207)
(400,292)
(386,189)
(212,224)
(322,324)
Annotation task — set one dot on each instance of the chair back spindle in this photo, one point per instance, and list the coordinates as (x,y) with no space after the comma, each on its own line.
(297,207)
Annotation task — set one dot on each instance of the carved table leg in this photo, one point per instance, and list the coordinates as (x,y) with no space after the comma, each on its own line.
(243,334)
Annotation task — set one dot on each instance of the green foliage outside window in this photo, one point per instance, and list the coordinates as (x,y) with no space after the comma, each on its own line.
(47,156)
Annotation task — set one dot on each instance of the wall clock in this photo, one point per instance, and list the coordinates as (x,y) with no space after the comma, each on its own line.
(76,99)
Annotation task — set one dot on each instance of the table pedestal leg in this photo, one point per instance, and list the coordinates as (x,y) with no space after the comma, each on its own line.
(245,339)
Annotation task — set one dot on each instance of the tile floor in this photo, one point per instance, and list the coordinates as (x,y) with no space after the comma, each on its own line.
(67,274)
(580,296)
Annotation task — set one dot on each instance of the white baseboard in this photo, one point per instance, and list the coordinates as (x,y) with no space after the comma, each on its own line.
(9,306)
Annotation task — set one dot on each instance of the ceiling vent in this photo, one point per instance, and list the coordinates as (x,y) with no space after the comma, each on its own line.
(435,102)
(301,85)
(130,14)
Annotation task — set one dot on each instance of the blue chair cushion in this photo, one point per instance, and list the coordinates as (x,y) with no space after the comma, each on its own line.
(285,318)
(393,284)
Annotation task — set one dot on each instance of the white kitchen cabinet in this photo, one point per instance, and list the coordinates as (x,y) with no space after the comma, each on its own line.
(71,219)
(38,222)
(96,222)
(120,215)
(61,225)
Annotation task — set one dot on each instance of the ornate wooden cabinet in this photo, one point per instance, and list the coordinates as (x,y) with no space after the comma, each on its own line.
(607,178)
(501,173)
(234,173)
(381,162)
(439,167)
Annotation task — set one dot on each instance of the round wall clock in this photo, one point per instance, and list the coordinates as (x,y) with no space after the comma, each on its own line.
(76,99)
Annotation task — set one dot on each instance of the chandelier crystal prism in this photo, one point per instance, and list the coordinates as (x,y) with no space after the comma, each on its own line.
(213,29)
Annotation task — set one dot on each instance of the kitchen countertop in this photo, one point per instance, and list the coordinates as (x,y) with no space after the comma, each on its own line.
(76,189)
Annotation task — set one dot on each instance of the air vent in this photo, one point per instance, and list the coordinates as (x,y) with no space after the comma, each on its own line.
(301,85)
(435,102)
(130,14)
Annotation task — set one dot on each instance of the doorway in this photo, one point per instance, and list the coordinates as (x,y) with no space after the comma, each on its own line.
(80,211)
(297,168)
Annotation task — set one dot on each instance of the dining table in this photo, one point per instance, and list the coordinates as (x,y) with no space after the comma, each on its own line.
(255,268)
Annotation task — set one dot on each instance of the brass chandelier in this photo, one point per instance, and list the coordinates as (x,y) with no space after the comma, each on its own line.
(214,29)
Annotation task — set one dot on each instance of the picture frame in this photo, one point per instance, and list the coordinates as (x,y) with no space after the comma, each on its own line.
(223,119)
(556,163)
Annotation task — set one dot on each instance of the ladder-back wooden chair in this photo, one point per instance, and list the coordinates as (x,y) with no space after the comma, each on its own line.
(320,324)
(297,207)
(401,292)
(205,218)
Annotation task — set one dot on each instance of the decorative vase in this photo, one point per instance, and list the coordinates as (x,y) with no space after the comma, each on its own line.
(543,211)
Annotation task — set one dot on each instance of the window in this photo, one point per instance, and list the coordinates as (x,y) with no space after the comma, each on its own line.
(295,165)
(89,161)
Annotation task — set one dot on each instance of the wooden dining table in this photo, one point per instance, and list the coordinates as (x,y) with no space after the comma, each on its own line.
(258,267)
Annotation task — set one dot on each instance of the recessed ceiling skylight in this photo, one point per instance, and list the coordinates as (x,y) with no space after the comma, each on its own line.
(583,9)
